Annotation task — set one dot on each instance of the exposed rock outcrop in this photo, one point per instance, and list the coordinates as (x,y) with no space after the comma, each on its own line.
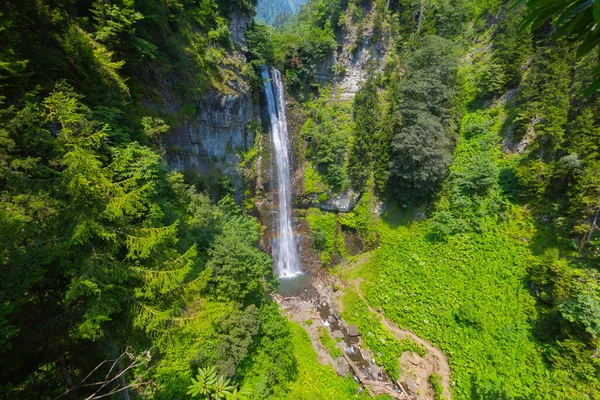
(237,29)
(365,46)
(338,202)
(218,133)
(214,138)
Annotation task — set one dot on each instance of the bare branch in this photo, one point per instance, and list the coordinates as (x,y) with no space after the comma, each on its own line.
(113,375)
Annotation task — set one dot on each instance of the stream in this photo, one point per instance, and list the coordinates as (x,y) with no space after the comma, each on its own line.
(305,294)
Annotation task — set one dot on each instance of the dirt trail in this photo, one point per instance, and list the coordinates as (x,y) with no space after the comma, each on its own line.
(442,366)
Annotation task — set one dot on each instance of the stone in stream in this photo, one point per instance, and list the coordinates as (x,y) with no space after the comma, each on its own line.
(331,319)
(343,368)
(353,331)
(337,334)
(335,313)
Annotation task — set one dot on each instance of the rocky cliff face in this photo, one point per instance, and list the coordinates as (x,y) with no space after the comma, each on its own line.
(363,45)
(216,136)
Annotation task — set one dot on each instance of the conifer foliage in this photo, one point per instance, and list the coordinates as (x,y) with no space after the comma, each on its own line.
(102,247)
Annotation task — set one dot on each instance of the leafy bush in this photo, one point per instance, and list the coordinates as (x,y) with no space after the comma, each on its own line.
(328,130)
(329,343)
(323,228)
(436,383)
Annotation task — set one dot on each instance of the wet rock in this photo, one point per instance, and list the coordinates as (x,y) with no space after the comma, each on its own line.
(331,319)
(353,331)
(323,71)
(343,368)
(337,202)
(343,202)
(335,313)
(411,386)
(337,334)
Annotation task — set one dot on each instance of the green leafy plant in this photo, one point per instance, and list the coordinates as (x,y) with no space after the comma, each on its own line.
(209,386)
(436,383)
(577,20)
(329,343)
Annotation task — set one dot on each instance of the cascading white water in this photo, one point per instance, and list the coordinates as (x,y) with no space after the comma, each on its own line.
(285,252)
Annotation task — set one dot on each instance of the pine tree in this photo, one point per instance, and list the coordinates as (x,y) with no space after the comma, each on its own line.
(366,115)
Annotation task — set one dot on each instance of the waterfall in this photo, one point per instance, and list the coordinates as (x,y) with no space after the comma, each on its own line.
(285,252)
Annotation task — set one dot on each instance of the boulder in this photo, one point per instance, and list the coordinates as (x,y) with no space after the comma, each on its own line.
(331,319)
(353,331)
(337,334)
(411,385)
(343,368)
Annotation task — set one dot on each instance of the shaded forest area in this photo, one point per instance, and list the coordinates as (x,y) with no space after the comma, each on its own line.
(113,268)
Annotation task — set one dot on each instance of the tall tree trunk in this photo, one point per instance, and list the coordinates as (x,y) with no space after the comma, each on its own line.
(65,373)
(421,15)
(589,236)
(124,394)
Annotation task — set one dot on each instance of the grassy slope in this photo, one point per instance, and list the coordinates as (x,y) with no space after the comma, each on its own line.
(469,296)
(386,348)
(316,381)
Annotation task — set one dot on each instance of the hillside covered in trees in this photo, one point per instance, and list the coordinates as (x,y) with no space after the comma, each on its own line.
(446,191)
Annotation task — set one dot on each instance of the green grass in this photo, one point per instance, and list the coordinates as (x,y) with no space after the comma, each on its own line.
(316,381)
(329,343)
(468,294)
(436,383)
(386,348)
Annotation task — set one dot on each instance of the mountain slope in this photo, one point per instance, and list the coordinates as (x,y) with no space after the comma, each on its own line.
(274,12)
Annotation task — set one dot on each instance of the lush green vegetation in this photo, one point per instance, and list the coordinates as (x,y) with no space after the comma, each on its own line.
(323,228)
(436,383)
(467,292)
(105,251)
(474,146)
(317,381)
(329,343)
(491,128)
(328,131)
(385,346)
(300,44)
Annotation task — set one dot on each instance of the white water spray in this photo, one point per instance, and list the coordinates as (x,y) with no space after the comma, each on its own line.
(285,252)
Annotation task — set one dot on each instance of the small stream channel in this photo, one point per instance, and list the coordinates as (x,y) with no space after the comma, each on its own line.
(331,319)
(314,291)
(301,289)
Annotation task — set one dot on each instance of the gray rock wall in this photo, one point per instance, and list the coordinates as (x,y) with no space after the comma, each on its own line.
(216,136)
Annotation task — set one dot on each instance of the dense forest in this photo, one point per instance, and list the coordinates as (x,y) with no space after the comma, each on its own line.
(107,254)
(465,135)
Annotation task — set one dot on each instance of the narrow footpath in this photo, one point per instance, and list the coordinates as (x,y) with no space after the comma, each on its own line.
(442,366)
